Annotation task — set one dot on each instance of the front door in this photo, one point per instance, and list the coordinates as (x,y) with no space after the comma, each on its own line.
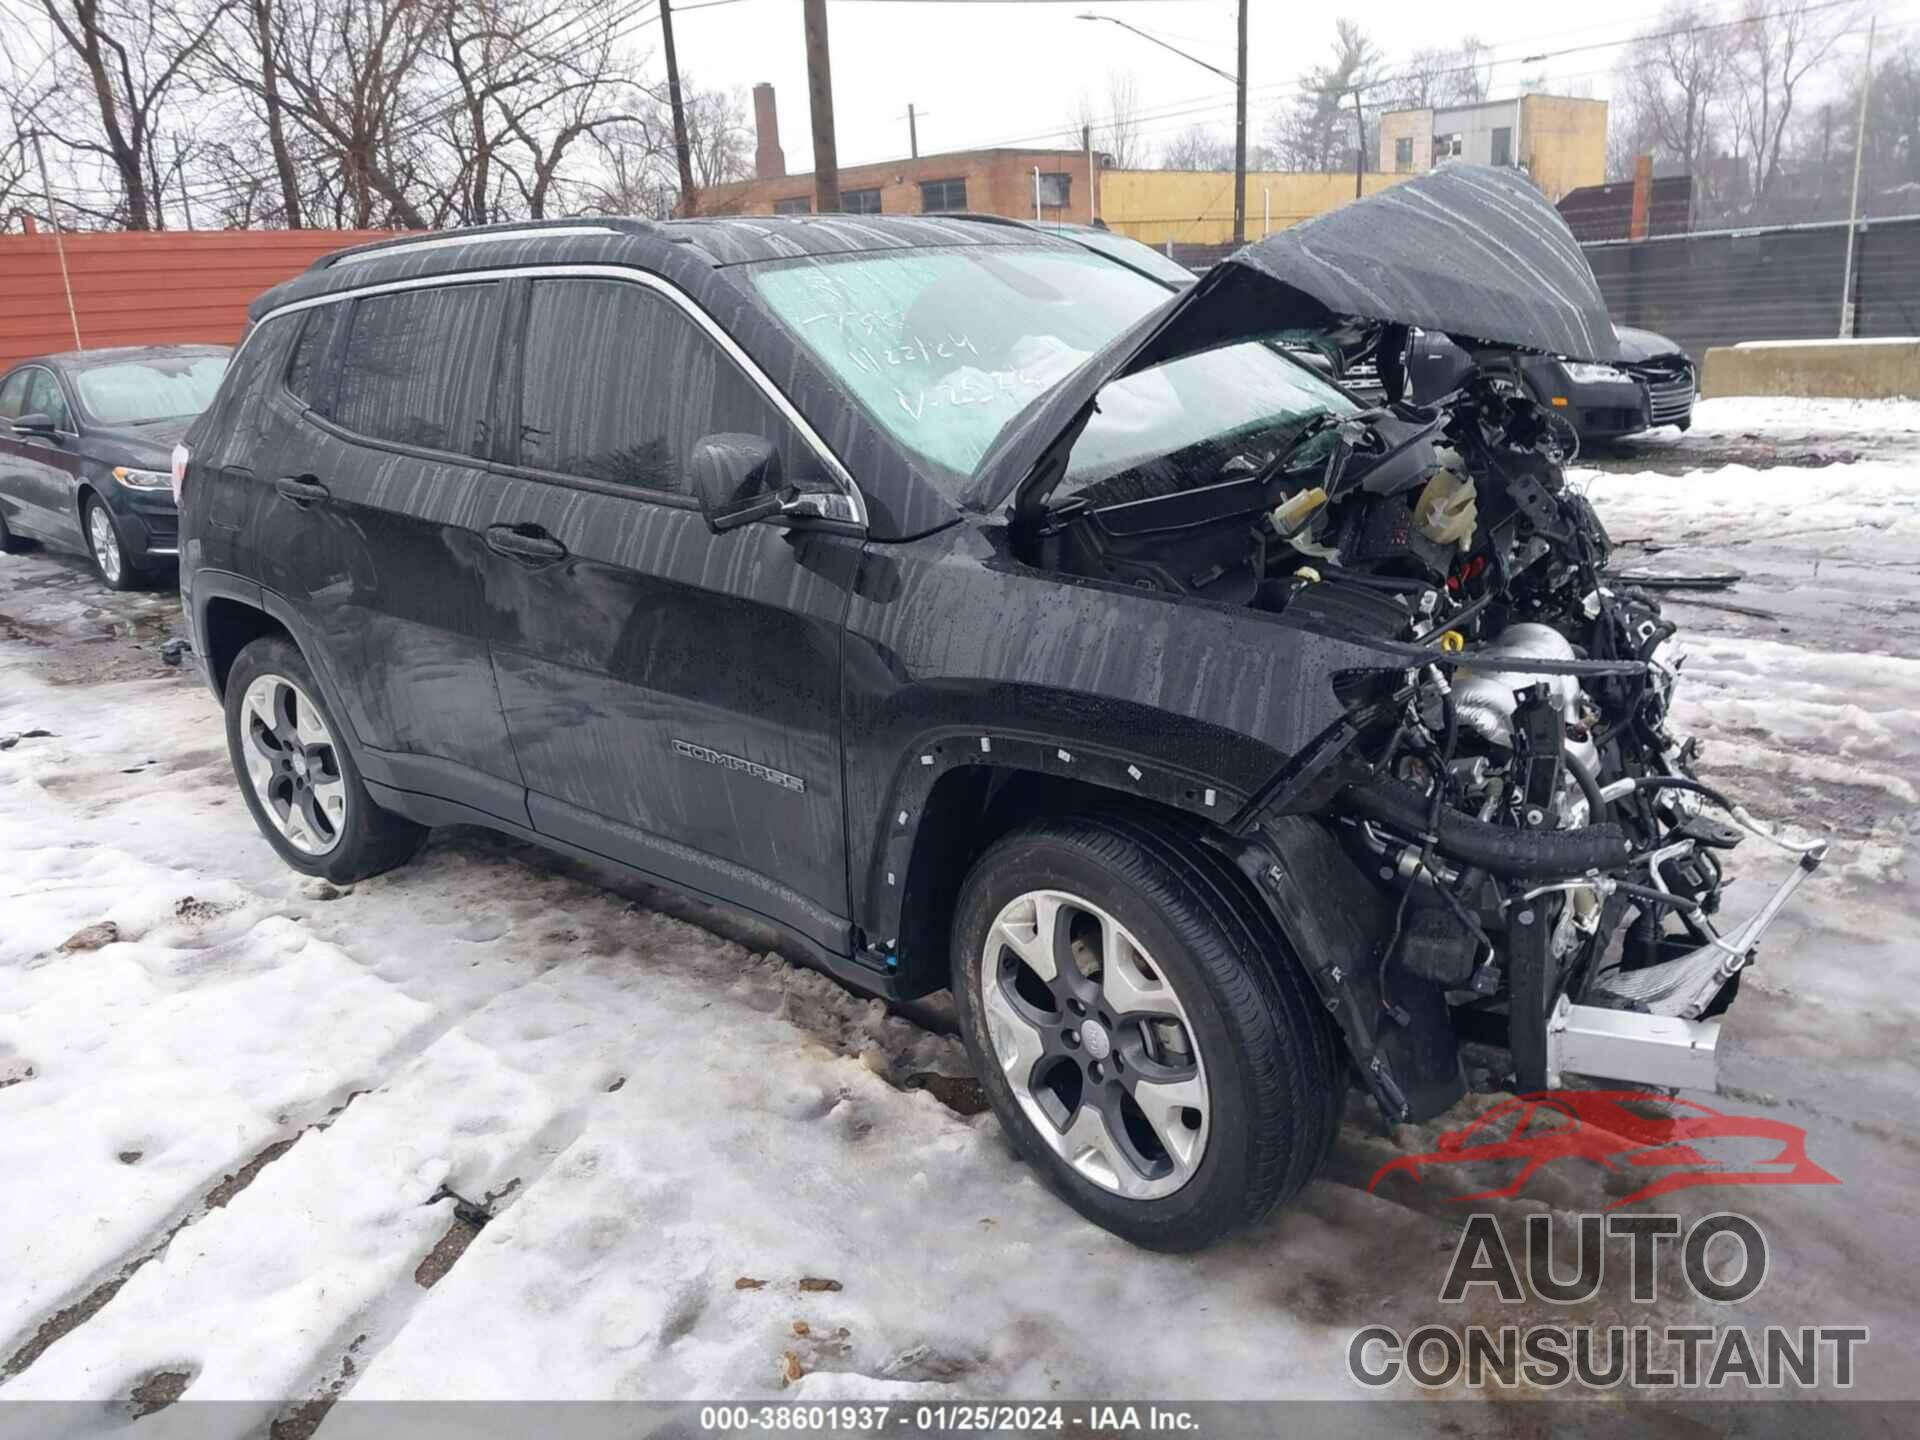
(364,493)
(39,474)
(673,695)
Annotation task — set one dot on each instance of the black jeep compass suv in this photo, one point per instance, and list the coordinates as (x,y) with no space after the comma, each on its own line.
(985,616)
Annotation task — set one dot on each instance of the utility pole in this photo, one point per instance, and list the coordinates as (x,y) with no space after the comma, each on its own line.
(1853,210)
(1240,137)
(682,152)
(1359,143)
(826,162)
(1093,195)
(59,244)
(180,169)
(913,132)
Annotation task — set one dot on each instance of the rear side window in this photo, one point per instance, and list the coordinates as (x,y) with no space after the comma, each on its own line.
(619,385)
(310,353)
(13,391)
(417,368)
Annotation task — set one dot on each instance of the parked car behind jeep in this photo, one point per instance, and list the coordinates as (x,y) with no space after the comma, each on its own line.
(85,446)
(985,616)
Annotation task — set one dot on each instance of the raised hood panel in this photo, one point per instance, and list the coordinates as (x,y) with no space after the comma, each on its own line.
(1473,251)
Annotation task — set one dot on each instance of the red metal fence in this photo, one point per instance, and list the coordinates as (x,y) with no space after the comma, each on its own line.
(147,288)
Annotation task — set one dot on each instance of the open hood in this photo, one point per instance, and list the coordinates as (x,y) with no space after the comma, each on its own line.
(1473,251)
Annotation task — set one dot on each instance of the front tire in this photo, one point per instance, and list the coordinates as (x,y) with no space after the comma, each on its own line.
(298,776)
(105,546)
(1139,1029)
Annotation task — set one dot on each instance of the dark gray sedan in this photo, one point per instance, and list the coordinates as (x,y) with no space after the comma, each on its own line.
(86,445)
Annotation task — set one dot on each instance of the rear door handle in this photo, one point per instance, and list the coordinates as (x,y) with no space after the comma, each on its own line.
(301,489)
(524,542)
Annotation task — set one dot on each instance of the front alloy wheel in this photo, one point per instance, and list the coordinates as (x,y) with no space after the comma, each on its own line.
(1095,1044)
(103,543)
(293,764)
(1140,1026)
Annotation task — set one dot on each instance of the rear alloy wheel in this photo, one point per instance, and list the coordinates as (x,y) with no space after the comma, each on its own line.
(297,775)
(1140,1028)
(103,544)
(293,764)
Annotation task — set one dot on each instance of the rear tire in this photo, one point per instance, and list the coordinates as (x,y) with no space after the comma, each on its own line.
(298,775)
(1182,1019)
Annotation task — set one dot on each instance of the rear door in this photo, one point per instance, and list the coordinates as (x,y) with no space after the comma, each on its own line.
(362,518)
(673,695)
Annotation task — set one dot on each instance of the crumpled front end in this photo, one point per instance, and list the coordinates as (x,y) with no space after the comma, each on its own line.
(1525,854)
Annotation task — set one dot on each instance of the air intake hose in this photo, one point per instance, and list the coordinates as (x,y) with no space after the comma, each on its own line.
(1511,854)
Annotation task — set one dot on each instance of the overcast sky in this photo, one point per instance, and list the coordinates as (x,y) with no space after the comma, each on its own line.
(1009,73)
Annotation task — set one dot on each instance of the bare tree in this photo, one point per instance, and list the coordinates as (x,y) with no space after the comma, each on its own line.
(1317,131)
(1776,50)
(1198,148)
(637,173)
(353,80)
(16,171)
(1673,82)
(1113,121)
(243,60)
(130,54)
(1432,79)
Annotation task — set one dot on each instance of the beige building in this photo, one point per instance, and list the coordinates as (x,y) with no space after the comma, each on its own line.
(1195,207)
(1558,140)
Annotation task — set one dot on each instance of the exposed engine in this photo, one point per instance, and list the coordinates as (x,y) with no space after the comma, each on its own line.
(1508,769)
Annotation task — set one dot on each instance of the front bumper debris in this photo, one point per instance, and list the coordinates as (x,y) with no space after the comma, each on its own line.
(1648,1028)
(1649,1050)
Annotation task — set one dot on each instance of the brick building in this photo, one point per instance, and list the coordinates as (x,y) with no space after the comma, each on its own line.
(995,182)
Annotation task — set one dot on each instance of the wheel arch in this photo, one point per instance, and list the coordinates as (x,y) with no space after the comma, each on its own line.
(228,625)
(958,791)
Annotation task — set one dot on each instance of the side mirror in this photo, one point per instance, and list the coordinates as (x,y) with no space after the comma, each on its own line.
(34,424)
(736,479)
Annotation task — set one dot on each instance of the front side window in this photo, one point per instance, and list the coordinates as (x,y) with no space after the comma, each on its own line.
(141,392)
(943,347)
(938,195)
(619,385)
(44,397)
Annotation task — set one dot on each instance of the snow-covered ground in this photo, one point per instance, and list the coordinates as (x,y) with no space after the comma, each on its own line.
(498,1125)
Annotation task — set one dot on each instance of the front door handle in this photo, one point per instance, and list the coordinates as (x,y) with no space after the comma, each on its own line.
(524,542)
(301,489)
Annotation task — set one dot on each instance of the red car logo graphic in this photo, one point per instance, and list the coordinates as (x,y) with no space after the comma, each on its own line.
(1616,1129)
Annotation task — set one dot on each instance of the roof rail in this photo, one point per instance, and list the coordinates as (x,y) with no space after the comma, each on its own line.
(430,240)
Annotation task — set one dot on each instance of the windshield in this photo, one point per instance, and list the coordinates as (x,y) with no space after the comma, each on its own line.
(943,347)
(140,392)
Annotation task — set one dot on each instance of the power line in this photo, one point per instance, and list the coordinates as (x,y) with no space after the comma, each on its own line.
(1286,89)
